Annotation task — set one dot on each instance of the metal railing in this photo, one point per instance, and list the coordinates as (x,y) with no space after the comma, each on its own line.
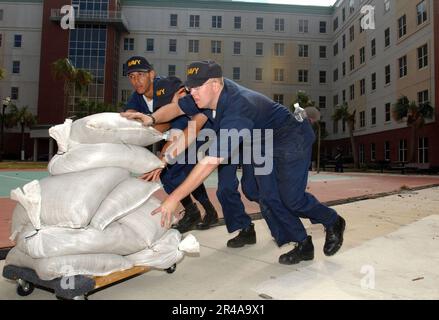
(91,15)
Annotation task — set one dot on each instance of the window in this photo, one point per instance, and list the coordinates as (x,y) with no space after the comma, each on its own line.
(258,74)
(237,23)
(303,26)
(387,73)
(259,23)
(279,49)
(362,55)
(236,47)
(149,45)
(1,39)
(194,46)
(173,18)
(351,6)
(124,70)
(387,151)
(278,74)
(322,52)
(402,26)
(303,76)
(279,24)
(344,41)
(128,44)
(373,49)
(125,94)
(17,41)
(372,152)
(423,97)
(14,93)
(422,56)
(387,112)
(361,153)
(322,26)
(387,37)
(402,151)
(171,70)
(322,76)
(16,67)
(361,27)
(344,96)
(335,24)
(421,10)
(335,126)
(374,81)
(402,66)
(194,21)
(343,125)
(335,77)
(217,22)
(1,14)
(373,116)
(236,73)
(343,14)
(352,62)
(322,102)
(303,50)
(386,6)
(335,49)
(259,48)
(362,119)
(279,98)
(352,33)
(362,87)
(352,91)
(344,68)
(216,46)
(335,100)
(423,150)
(172,45)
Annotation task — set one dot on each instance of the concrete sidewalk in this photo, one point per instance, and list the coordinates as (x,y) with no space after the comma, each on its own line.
(391,251)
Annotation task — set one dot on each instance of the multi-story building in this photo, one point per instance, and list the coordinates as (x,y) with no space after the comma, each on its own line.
(274,49)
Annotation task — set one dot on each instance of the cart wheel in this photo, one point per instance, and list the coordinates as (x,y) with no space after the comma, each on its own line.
(84,297)
(171,269)
(24,288)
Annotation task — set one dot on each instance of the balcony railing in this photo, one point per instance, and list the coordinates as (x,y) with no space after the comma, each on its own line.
(107,17)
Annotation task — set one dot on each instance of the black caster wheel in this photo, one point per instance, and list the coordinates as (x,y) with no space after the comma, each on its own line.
(24,288)
(171,269)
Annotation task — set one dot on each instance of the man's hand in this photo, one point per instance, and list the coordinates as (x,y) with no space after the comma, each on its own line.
(152,176)
(167,209)
(138,116)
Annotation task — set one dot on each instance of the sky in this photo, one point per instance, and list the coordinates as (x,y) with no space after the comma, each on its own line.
(302,2)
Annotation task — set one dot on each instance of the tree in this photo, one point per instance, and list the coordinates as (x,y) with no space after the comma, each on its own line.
(414,115)
(24,118)
(342,112)
(63,69)
(86,108)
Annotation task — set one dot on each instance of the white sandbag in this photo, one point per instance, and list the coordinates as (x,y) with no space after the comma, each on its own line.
(61,133)
(71,200)
(89,156)
(145,225)
(165,252)
(54,241)
(30,199)
(66,266)
(127,196)
(19,220)
(113,128)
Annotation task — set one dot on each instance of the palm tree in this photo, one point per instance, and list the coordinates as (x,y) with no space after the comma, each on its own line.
(415,116)
(63,69)
(24,118)
(342,112)
(86,107)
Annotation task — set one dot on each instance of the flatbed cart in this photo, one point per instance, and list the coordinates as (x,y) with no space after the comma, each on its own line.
(27,279)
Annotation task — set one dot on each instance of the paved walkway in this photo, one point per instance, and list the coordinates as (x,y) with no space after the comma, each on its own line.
(330,188)
(391,251)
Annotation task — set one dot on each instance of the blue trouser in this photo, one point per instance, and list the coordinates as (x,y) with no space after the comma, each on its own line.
(283,198)
(229,197)
(174,175)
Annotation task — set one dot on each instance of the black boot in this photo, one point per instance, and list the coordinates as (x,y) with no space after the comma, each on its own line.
(334,237)
(210,218)
(245,236)
(191,217)
(303,251)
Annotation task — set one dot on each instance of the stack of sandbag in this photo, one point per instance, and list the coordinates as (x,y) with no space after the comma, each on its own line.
(91,216)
